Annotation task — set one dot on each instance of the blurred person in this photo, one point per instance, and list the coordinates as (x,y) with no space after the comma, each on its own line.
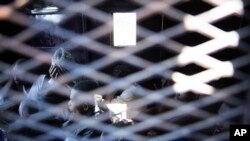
(121,115)
(32,103)
(60,58)
(85,109)
(127,95)
(118,72)
(61,61)
(14,82)
(4,93)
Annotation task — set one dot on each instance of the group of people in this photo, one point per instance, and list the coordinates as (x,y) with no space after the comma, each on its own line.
(81,103)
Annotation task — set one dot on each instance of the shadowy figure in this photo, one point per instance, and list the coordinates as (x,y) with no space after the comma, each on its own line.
(32,102)
(85,109)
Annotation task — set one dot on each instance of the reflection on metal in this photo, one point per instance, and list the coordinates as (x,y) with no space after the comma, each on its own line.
(48,14)
(46,10)
(54,18)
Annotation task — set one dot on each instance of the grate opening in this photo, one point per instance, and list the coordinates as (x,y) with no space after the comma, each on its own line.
(189,69)
(120,69)
(232,22)
(158,22)
(190,6)
(191,38)
(228,54)
(155,82)
(10,29)
(156,53)
(223,82)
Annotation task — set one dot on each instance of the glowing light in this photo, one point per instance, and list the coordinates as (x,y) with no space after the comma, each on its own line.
(124,29)
(48,14)
(54,18)
(118,110)
(186,83)
(197,82)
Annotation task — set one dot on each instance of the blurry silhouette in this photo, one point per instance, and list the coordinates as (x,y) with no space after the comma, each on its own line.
(33,99)
(86,109)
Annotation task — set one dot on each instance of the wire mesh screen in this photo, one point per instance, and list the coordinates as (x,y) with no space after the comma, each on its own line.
(62,78)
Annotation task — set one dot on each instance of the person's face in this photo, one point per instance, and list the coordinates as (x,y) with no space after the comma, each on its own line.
(76,104)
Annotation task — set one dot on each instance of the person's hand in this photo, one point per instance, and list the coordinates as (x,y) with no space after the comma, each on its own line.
(55,71)
(59,58)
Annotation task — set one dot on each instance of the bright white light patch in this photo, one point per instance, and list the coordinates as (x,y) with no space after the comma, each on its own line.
(46,10)
(124,29)
(118,110)
(54,18)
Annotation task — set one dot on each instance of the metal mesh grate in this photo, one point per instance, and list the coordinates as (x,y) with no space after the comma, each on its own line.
(191,65)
